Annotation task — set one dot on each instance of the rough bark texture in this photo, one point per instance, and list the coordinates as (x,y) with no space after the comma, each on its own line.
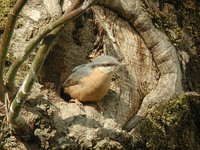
(143,108)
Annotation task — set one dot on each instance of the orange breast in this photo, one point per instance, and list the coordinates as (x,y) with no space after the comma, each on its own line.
(91,88)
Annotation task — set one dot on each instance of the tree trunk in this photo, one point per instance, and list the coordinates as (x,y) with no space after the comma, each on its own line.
(153,102)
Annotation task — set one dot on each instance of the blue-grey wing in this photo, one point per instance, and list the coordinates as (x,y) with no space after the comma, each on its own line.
(78,67)
(79,72)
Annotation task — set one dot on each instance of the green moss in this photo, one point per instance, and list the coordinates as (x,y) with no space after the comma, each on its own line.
(176,111)
(171,127)
(5,8)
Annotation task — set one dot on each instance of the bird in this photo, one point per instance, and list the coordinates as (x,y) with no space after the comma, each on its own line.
(91,82)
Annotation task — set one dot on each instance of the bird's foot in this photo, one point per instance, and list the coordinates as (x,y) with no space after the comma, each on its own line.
(77,102)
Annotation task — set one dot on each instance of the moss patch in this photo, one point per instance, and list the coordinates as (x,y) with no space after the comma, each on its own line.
(172,127)
(5,8)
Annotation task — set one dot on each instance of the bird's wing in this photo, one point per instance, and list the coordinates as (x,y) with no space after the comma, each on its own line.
(69,82)
(79,72)
(78,67)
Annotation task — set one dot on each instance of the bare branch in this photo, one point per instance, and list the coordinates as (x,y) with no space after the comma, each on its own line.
(62,20)
(12,18)
(17,103)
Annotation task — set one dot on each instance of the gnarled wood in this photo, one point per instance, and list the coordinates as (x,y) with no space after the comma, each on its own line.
(163,53)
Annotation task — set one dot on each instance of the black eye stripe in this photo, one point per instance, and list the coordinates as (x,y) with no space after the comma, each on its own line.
(106,65)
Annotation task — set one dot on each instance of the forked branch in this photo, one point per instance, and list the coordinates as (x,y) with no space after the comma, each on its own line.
(4,45)
(10,77)
(17,103)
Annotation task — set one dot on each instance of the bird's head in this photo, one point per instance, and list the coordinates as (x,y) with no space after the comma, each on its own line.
(106,64)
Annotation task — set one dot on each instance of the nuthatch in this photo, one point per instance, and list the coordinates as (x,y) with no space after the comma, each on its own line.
(91,82)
